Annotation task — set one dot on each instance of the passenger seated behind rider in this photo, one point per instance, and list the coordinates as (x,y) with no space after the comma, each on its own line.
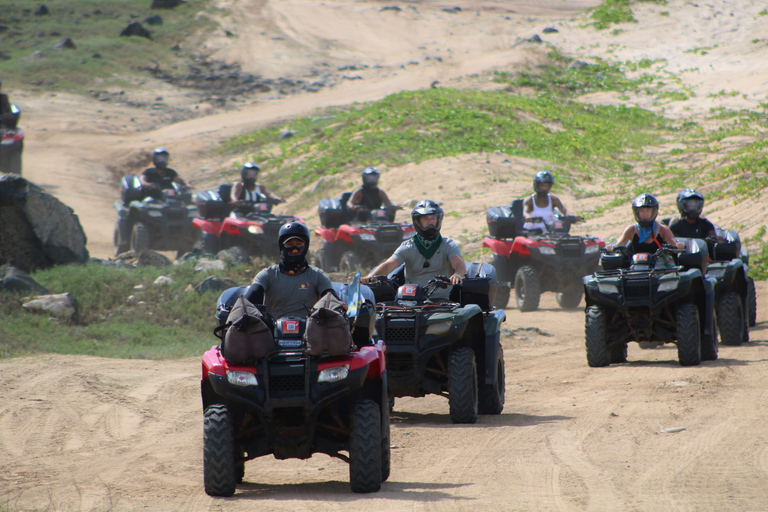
(428,254)
(646,235)
(160,177)
(691,224)
(247,190)
(542,204)
(369,197)
(293,286)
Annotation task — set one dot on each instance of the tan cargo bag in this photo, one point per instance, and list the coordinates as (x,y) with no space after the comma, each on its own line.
(248,337)
(328,331)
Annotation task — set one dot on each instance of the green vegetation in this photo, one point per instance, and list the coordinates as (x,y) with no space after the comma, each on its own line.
(160,322)
(100,54)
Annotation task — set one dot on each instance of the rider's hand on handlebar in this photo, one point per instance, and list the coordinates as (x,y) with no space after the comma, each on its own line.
(456,279)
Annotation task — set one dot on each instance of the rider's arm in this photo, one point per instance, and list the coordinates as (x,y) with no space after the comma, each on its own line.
(255,294)
(459,269)
(384,199)
(383,269)
(668,237)
(237,190)
(527,208)
(625,237)
(269,193)
(178,179)
(145,180)
(356,198)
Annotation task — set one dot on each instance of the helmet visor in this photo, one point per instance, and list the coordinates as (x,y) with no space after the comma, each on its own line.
(693,205)
(370,180)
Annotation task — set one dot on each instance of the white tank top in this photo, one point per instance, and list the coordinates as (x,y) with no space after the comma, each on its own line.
(545,213)
(255,195)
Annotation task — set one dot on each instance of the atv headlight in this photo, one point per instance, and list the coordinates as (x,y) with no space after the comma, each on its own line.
(668,286)
(333,374)
(367,237)
(242,378)
(550,251)
(155,213)
(607,288)
(256,230)
(439,327)
(591,248)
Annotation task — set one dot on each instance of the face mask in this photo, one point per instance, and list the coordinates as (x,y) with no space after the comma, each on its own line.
(293,254)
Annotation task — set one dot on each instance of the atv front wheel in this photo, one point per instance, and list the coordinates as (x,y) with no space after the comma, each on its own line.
(730,319)
(570,299)
(688,335)
(709,347)
(491,399)
(318,258)
(219,472)
(596,339)
(121,245)
(365,447)
(751,302)
(503,292)
(527,290)
(139,238)
(350,262)
(210,243)
(462,386)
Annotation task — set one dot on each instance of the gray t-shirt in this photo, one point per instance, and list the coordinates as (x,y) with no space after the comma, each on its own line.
(286,295)
(439,264)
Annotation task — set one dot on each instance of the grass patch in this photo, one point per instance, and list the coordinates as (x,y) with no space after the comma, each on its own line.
(161,322)
(100,54)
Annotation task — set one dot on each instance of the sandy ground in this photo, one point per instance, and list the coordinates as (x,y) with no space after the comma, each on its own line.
(81,433)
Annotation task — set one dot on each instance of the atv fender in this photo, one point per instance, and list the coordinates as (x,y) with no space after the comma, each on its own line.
(209,227)
(492,325)
(463,314)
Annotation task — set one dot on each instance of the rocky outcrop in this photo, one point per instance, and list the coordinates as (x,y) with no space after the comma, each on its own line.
(62,305)
(14,280)
(36,229)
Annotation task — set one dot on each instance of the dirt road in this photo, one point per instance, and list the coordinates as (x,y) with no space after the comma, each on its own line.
(80,433)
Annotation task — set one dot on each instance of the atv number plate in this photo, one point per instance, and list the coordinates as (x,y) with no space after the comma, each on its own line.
(291,326)
(409,290)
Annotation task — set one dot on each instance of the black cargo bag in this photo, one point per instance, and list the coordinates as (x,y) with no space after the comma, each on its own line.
(328,331)
(248,337)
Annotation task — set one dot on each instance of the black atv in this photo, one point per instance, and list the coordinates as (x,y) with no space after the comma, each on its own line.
(292,405)
(356,238)
(149,223)
(662,297)
(533,262)
(447,348)
(735,300)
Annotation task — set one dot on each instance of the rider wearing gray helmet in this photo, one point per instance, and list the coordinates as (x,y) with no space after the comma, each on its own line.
(427,254)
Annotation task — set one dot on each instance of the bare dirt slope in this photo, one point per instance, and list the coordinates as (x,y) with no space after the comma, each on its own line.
(79,433)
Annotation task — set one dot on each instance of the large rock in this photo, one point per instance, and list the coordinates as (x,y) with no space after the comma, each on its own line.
(36,229)
(14,280)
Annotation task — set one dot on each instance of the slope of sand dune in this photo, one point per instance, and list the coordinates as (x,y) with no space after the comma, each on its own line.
(83,433)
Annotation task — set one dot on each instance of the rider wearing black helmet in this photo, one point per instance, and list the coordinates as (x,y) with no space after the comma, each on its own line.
(646,235)
(160,177)
(247,189)
(691,224)
(292,286)
(370,196)
(542,204)
(428,253)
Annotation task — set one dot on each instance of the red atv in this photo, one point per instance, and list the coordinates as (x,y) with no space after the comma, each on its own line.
(354,238)
(291,404)
(535,263)
(254,228)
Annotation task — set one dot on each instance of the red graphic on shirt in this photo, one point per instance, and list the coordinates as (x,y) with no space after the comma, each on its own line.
(304,286)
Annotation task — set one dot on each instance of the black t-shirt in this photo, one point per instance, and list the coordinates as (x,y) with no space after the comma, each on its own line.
(699,229)
(371,198)
(165,180)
